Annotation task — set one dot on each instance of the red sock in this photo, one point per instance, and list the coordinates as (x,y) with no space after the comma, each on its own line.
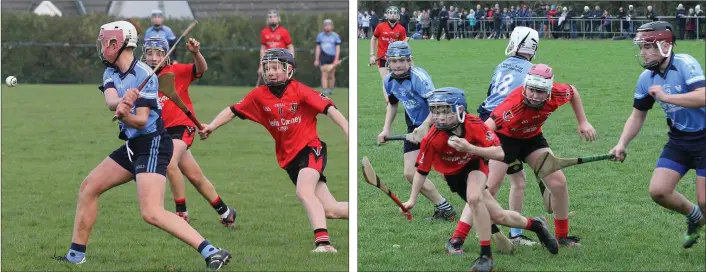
(529,223)
(321,237)
(461,231)
(561,227)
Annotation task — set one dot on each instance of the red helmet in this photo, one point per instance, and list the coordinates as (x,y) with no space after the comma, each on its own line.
(658,34)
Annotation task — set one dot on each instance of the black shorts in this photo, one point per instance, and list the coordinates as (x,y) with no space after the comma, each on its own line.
(410,146)
(312,156)
(184,133)
(683,154)
(382,63)
(514,167)
(458,182)
(325,59)
(145,154)
(519,149)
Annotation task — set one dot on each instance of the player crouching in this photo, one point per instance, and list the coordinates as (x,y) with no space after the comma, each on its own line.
(459,147)
(181,129)
(288,110)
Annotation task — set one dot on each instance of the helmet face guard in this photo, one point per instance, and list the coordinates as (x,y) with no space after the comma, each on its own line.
(447,108)
(392,14)
(110,44)
(653,48)
(150,51)
(537,88)
(277,67)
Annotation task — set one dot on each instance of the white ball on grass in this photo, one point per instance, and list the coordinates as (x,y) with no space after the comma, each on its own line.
(11,81)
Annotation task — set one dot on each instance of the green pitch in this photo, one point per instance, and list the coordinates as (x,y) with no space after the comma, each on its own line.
(621,228)
(53,135)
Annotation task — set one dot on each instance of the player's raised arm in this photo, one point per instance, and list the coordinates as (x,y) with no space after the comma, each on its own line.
(199,61)
(585,129)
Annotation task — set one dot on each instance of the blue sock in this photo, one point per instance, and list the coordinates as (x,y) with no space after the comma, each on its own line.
(76,253)
(206,249)
(514,232)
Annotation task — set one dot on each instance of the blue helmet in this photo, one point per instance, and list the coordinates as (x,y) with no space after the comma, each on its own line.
(454,100)
(398,50)
(155,42)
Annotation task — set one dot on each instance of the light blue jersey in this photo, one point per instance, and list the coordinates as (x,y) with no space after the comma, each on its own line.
(328,42)
(138,71)
(163,32)
(683,75)
(412,92)
(508,75)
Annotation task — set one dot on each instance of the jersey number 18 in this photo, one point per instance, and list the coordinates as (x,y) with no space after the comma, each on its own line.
(501,84)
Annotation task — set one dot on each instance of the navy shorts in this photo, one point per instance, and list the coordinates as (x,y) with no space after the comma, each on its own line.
(325,59)
(683,154)
(382,63)
(149,153)
(513,167)
(410,146)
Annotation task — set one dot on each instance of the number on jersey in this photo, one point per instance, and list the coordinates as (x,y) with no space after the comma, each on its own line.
(501,84)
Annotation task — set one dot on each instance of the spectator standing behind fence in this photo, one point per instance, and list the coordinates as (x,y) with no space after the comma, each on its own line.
(443,24)
(681,20)
(159,30)
(622,16)
(700,21)
(551,15)
(365,21)
(374,20)
(404,20)
(426,24)
(597,20)
(631,15)
(605,26)
(651,15)
(471,18)
(691,25)
(563,23)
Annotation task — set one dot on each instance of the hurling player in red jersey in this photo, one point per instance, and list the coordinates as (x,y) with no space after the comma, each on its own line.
(385,34)
(288,110)
(182,129)
(274,36)
(458,147)
(518,123)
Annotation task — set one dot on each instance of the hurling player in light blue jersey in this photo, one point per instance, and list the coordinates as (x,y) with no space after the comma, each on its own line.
(676,82)
(411,86)
(328,53)
(509,75)
(145,155)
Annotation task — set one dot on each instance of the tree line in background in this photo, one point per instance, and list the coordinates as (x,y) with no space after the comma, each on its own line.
(43,49)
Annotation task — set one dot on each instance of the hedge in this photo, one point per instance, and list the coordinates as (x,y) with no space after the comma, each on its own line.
(43,49)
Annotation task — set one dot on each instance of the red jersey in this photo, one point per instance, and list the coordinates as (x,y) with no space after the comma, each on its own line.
(515,119)
(435,150)
(290,119)
(172,115)
(277,38)
(387,34)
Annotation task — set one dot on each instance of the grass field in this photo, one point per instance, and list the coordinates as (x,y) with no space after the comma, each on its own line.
(53,135)
(621,228)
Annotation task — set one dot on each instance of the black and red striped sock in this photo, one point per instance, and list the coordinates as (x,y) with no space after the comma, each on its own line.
(321,237)
(461,231)
(219,206)
(485,249)
(180,204)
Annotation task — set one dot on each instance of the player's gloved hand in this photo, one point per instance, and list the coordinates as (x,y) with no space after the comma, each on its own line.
(619,152)
(382,135)
(657,92)
(372,60)
(587,132)
(205,132)
(418,134)
(316,63)
(460,144)
(193,46)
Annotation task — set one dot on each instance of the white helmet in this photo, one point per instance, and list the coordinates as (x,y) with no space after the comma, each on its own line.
(122,32)
(523,40)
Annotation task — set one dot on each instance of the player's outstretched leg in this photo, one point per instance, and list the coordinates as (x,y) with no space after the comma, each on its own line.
(560,201)
(106,175)
(307,180)
(514,219)
(663,191)
(443,210)
(518,183)
(176,180)
(332,208)
(191,169)
(481,219)
(150,191)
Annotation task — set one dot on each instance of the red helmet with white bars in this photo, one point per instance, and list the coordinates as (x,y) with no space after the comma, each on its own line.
(538,85)
(654,38)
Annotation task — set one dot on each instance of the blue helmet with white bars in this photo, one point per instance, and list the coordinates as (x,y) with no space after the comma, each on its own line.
(399,50)
(153,43)
(447,107)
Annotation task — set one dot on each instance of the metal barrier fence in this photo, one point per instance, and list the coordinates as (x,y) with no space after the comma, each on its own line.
(572,28)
